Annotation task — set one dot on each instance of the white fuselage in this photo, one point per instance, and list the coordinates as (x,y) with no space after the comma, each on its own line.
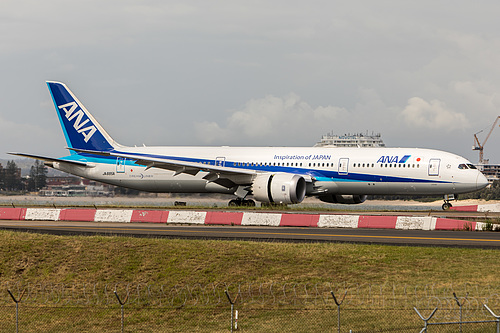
(410,171)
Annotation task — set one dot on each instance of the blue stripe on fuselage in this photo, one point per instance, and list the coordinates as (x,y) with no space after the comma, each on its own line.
(323,175)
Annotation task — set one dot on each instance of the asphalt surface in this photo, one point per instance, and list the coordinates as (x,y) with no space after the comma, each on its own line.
(290,234)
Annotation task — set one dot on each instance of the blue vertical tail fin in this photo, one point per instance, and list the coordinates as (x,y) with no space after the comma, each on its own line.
(80,128)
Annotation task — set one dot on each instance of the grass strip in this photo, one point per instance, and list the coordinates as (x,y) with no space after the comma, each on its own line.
(31,257)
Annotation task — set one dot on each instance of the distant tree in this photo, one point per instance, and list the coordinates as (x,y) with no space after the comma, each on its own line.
(2,178)
(41,175)
(491,192)
(12,177)
(31,179)
(38,176)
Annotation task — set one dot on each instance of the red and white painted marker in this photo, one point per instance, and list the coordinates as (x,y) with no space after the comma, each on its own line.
(238,218)
(478,208)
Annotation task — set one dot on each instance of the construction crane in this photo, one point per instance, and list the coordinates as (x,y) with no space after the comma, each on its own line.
(479,146)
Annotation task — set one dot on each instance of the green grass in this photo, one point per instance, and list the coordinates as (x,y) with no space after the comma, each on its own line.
(29,257)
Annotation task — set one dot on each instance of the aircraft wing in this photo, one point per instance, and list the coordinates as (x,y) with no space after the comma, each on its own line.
(225,176)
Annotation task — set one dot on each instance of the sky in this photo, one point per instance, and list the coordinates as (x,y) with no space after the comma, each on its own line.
(253,73)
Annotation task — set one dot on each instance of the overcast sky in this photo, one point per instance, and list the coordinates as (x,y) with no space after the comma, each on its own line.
(253,73)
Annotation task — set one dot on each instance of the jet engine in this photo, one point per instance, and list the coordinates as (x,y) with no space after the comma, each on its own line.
(343,199)
(283,188)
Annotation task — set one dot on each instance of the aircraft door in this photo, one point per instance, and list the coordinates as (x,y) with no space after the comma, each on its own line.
(434,166)
(343,166)
(220,161)
(120,165)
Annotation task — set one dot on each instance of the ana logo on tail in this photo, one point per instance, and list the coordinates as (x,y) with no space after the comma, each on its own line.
(69,110)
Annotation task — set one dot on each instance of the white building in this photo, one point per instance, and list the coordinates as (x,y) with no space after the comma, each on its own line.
(351,140)
(491,171)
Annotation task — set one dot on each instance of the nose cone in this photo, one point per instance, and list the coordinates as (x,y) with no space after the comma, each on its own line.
(481,181)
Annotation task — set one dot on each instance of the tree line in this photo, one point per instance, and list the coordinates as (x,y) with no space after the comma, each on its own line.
(491,192)
(12,181)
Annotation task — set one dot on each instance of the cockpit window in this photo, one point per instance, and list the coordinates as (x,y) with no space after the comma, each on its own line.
(466,166)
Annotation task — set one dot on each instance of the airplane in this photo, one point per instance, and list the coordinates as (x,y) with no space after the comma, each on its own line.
(271,175)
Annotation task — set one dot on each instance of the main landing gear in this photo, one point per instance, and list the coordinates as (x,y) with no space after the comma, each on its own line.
(241,202)
(447,198)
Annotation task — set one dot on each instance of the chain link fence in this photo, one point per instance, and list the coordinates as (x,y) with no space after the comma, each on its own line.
(257,307)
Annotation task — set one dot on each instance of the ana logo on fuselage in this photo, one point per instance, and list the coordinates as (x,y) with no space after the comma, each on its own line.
(393,159)
(71,113)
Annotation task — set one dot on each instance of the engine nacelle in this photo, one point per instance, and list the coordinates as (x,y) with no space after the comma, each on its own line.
(343,199)
(282,188)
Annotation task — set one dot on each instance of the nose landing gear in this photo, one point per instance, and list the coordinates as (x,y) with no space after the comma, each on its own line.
(446,206)
(447,198)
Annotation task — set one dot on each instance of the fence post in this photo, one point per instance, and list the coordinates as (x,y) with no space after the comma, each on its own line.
(122,304)
(338,307)
(460,306)
(426,320)
(17,301)
(232,307)
(494,315)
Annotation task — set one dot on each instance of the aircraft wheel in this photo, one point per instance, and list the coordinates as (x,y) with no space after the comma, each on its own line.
(234,203)
(249,203)
(241,202)
(446,206)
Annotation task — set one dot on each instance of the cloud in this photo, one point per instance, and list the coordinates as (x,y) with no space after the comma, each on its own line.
(166,64)
(477,96)
(432,115)
(269,119)
(16,136)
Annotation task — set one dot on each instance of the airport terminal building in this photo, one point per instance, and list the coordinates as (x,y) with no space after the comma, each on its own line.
(351,140)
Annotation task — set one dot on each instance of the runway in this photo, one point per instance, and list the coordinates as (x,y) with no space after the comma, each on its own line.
(290,234)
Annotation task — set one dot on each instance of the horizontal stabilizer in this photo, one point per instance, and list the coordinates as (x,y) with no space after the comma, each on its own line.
(50,159)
